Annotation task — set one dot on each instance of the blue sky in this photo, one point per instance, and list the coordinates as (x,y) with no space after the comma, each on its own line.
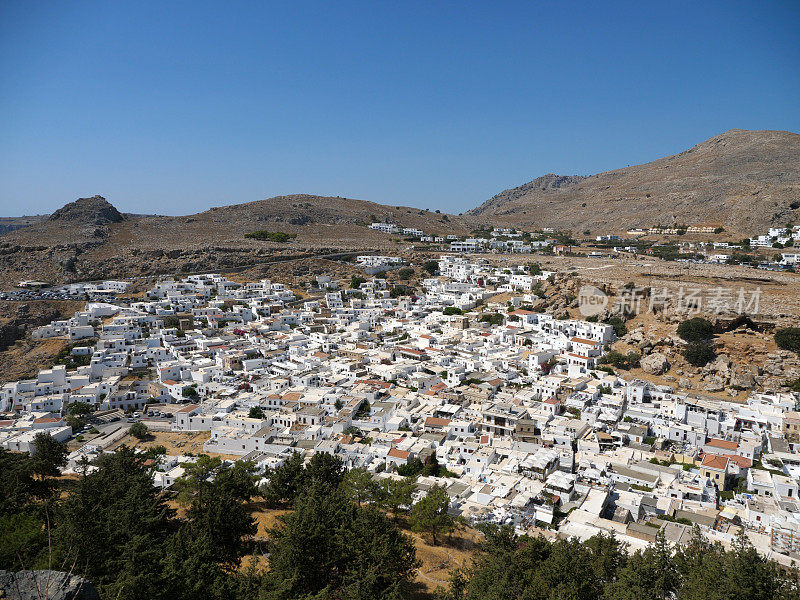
(174,107)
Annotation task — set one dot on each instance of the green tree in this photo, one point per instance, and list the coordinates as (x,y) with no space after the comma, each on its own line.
(204,555)
(76,414)
(751,575)
(411,468)
(618,323)
(23,519)
(285,482)
(696,329)
(431,466)
(139,430)
(218,509)
(405,273)
(271,236)
(335,548)
(324,470)
(650,574)
(699,353)
(607,557)
(398,494)
(115,527)
(701,566)
(356,281)
(619,360)
(360,486)
(195,476)
(430,514)
(50,456)
(431,267)
(256,412)
(788,339)
(492,318)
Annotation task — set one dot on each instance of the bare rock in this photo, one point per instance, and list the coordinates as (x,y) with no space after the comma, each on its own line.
(655,363)
(716,384)
(719,366)
(53,585)
(742,378)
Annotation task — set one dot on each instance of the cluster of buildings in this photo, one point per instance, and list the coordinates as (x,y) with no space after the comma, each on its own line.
(675,230)
(530,427)
(785,236)
(499,239)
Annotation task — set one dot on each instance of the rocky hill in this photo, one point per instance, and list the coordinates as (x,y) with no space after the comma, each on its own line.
(94,211)
(744,180)
(747,180)
(90,239)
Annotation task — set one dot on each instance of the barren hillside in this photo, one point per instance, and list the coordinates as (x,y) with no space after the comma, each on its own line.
(747,180)
(90,239)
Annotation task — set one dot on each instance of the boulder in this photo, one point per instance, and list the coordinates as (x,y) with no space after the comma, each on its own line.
(720,366)
(717,384)
(655,363)
(53,585)
(742,379)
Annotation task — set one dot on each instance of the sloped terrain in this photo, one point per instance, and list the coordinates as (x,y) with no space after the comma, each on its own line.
(746,180)
(90,239)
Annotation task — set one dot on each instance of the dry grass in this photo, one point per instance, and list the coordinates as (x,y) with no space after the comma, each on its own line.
(438,562)
(176,443)
(25,357)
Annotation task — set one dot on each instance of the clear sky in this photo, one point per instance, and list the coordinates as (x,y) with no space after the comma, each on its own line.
(173,107)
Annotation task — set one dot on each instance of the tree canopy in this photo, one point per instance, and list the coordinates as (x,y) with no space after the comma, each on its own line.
(512,567)
(696,329)
(788,339)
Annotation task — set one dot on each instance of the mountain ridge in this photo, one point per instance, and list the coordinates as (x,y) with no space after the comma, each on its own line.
(745,179)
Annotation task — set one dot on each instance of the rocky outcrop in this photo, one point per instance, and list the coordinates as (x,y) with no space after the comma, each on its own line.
(95,210)
(655,363)
(53,585)
(17,318)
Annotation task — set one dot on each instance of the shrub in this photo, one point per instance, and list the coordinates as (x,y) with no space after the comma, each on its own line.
(741,321)
(271,236)
(788,339)
(492,318)
(699,353)
(139,430)
(431,266)
(356,281)
(696,329)
(398,291)
(405,273)
(256,412)
(619,326)
(621,361)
